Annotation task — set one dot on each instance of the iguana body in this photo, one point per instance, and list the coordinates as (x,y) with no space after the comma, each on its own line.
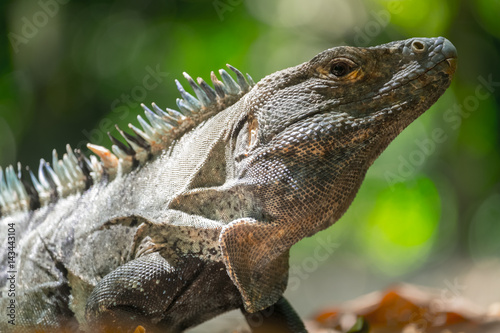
(196,215)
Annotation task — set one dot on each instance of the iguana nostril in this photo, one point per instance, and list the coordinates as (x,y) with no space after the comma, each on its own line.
(418,46)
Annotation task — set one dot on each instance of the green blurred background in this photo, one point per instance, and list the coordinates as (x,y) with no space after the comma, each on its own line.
(429,210)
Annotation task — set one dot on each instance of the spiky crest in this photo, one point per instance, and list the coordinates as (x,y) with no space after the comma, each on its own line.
(21,190)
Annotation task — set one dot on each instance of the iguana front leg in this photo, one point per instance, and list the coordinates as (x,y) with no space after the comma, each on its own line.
(160,294)
(170,297)
(211,269)
(137,293)
(278,318)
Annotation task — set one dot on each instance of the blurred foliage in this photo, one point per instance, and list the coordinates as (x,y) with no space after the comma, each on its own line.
(71,69)
(403,223)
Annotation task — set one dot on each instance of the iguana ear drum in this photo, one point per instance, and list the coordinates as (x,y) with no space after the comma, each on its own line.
(252,132)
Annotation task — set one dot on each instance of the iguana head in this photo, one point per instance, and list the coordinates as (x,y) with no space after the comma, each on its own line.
(310,126)
(309,136)
(346,90)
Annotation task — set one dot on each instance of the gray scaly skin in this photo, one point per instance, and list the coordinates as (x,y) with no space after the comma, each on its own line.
(196,214)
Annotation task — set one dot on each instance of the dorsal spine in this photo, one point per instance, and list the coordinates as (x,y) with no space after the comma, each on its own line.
(21,190)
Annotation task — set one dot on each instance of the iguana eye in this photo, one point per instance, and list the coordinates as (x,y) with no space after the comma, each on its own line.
(341,67)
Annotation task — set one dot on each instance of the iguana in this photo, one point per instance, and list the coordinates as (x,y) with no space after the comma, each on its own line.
(194,214)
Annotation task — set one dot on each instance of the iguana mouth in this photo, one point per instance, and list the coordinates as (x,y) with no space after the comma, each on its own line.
(452,62)
(450,70)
